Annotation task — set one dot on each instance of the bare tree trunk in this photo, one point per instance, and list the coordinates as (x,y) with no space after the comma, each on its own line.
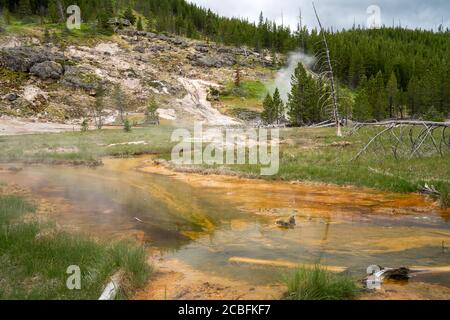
(331,76)
(62,15)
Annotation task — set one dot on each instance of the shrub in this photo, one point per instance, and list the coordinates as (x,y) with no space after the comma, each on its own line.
(127,125)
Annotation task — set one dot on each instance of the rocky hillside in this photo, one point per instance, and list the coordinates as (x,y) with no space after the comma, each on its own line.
(44,81)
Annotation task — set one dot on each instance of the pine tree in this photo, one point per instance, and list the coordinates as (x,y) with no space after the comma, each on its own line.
(356,69)
(150,25)
(278,107)
(103,23)
(297,99)
(413,96)
(346,102)
(377,96)
(119,101)
(47,37)
(129,15)
(362,110)
(139,25)
(269,113)
(151,114)
(6,16)
(127,125)
(53,11)
(24,10)
(303,101)
(99,106)
(392,93)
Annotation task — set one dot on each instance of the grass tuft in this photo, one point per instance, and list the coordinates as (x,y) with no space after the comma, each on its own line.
(34,257)
(319,284)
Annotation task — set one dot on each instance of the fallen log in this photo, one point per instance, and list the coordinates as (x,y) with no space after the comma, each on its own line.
(429,270)
(429,190)
(282,264)
(404,122)
(112,288)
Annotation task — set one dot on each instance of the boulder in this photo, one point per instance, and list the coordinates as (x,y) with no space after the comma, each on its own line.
(225,50)
(139,49)
(47,70)
(163,37)
(156,48)
(206,61)
(10,97)
(177,41)
(164,87)
(228,60)
(118,22)
(201,48)
(22,59)
(76,82)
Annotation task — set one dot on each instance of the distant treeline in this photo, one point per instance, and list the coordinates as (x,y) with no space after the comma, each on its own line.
(396,72)
(410,69)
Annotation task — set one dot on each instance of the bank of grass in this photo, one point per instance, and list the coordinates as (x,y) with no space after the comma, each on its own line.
(318,155)
(85,147)
(87,34)
(243,101)
(34,257)
(319,284)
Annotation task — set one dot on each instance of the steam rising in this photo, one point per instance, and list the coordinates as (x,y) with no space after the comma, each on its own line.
(284,75)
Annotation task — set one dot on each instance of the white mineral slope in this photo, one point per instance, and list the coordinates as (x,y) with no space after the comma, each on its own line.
(14,126)
(196,103)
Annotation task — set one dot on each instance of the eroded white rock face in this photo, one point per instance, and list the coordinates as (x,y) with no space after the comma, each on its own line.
(10,42)
(109,47)
(15,126)
(31,93)
(196,103)
(159,70)
(167,114)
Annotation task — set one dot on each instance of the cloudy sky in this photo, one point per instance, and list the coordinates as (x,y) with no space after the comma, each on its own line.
(338,13)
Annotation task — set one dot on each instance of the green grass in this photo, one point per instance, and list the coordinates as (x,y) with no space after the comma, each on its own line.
(87,147)
(319,284)
(444,189)
(34,257)
(247,97)
(87,34)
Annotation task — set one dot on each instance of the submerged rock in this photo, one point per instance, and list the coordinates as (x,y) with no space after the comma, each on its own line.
(400,274)
(291,223)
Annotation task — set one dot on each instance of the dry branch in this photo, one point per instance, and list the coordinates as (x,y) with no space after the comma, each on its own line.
(423,144)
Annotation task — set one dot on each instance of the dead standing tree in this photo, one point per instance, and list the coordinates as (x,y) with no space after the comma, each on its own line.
(406,138)
(330,99)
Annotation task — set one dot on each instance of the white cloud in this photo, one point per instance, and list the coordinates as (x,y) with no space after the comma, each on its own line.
(337,13)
